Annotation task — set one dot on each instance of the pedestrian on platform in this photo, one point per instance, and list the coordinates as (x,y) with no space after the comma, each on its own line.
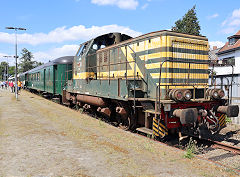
(11,85)
(6,84)
(19,85)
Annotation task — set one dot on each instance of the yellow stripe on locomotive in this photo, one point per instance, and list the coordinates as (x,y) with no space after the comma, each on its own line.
(159,129)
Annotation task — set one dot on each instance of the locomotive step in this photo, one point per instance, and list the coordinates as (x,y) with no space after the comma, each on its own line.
(151,111)
(138,89)
(145,130)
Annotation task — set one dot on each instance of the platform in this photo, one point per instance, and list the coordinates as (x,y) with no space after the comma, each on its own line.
(41,138)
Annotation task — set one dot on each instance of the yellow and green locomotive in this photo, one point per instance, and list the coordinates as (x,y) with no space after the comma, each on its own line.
(156,83)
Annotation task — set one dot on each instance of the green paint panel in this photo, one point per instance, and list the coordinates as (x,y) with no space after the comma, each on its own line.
(51,79)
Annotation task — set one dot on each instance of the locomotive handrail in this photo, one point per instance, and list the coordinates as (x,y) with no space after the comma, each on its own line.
(134,87)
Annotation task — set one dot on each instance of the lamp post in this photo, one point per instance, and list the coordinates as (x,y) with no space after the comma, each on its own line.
(16,84)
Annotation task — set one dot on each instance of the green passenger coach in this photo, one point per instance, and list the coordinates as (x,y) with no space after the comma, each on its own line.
(50,78)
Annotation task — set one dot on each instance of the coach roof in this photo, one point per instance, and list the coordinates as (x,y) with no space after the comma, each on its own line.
(61,60)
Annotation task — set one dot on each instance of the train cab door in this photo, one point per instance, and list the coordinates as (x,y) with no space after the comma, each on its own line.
(44,79)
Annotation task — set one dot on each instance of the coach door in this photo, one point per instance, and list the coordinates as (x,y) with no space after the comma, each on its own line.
(55,79)
(44,80)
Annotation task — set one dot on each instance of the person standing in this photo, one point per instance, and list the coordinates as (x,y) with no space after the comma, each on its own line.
(11,86)
(19,85)
(6,84)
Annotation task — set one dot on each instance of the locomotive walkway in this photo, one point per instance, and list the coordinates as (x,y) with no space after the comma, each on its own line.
(41,138)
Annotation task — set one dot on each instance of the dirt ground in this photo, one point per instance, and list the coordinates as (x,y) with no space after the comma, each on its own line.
(41,138)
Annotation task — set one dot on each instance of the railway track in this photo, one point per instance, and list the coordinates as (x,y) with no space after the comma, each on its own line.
(230,148)
(213,144)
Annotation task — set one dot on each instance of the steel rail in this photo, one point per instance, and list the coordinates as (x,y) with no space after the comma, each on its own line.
(227,147)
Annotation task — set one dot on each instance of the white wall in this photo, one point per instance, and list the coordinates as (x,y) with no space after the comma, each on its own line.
(228,70)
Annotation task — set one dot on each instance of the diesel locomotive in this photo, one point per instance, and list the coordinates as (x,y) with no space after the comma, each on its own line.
(157,83)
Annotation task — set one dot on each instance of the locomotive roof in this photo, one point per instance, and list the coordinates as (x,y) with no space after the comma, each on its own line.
(154,34)
(61,60)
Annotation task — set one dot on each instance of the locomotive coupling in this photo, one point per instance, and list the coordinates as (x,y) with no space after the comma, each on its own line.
(231,110)
(187,116)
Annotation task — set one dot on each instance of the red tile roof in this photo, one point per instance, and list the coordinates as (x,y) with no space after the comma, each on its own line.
(228,47)
(238,33)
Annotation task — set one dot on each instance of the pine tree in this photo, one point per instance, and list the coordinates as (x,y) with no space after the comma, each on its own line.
(27,62)
(188,24)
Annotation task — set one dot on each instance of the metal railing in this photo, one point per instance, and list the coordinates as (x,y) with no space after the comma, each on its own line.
(158,88)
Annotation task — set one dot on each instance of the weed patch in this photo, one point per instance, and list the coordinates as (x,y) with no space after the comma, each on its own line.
(191,149)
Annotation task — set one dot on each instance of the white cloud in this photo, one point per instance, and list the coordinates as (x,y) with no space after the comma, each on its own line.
(236,13)
(224,22)
(231,24)
(213,16)
(228,30)
(45,56)
(62,34)
(122,4)
(10,60)
(216,43)
(65,50)
(235,22)
(144,6)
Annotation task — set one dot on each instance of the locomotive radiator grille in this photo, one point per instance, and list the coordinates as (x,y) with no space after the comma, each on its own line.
(177,73)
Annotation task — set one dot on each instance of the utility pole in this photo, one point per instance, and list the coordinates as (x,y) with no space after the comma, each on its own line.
(16,56)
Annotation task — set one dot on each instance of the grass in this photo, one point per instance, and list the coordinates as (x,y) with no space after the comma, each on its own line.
(191,149)
(228,120)
(148,145)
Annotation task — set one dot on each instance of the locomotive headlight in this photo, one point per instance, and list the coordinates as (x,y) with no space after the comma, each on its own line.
(221,93)
(216,93)
(187,95)
(180,95)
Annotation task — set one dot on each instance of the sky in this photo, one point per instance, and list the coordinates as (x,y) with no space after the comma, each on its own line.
(55,28)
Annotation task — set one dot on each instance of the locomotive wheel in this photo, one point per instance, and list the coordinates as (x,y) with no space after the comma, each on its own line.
(128,124)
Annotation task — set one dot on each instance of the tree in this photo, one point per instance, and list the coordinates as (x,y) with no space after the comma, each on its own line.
(3,70)
(188,24)
(27,62)
(11,70)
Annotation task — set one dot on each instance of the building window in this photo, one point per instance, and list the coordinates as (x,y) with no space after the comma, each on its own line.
(232,41)
(230,61)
